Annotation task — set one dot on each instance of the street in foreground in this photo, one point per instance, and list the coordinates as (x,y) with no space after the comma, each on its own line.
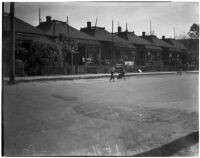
(98,117)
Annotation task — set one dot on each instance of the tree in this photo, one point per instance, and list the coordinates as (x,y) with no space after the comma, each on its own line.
(43,52)
(68,47)
(21,52)
(194,31)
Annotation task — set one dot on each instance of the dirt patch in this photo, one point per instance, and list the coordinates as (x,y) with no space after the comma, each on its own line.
(147,115)
(142,128)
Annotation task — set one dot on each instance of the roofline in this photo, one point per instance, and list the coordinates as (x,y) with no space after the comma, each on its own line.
(54,20)
(93,27)
(27,33)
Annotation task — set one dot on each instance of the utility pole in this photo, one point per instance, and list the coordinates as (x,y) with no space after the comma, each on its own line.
(2,17)
(96,23)
(2,35)
(150,28)
(113,51)
(72,58)
(39,17)
(12,43)
(126,27)
(174,34)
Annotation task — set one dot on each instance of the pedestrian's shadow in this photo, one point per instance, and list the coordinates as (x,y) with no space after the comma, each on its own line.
(172,147)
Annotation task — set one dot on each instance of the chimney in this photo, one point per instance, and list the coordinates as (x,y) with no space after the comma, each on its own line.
(143,34)
(88,24)
(163,37)
(48,18)
(119,29)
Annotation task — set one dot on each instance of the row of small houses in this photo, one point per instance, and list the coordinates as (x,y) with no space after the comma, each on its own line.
(98,49)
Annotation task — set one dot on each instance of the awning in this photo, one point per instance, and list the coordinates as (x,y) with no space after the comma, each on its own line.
(152,47)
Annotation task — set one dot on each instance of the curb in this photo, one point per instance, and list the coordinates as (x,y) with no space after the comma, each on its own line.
(90,76)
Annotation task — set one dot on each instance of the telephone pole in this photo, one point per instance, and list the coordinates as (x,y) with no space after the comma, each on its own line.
(40,20)
(96,23)
(150,28)
(174,34)
(72,58)
(113,51)
(12,43)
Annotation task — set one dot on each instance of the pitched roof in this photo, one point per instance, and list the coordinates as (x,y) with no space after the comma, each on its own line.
(175,43)
(134,39)
(55,27)
(101,34)
(21,26)
(158,42)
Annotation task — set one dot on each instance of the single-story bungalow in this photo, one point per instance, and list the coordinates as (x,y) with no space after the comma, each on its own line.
(115,50)
(167,50)
(24,35)
(88,47)
(146,52)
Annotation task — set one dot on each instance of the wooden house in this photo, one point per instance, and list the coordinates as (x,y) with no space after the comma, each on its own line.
(114,50)
(147,54)
(24,35)
(88,47)
(166,53)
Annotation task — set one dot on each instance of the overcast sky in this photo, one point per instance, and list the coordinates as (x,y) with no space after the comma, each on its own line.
(164,15)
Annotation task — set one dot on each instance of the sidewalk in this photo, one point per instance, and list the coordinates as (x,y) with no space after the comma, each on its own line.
(89,76)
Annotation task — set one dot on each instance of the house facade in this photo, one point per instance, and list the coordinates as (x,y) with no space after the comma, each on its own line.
(179,55)
(25,34)
(93,49)
(166,54)
(88,48)
(147,54)
(114,50)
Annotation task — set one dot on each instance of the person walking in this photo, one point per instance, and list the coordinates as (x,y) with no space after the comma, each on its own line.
(180,69)
(112,74)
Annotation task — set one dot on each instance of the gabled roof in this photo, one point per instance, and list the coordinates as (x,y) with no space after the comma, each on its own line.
(136,40)
(21,26)
(55,27)
(175,43)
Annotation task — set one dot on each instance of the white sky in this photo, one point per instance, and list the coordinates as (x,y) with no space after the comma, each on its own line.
(164,15)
